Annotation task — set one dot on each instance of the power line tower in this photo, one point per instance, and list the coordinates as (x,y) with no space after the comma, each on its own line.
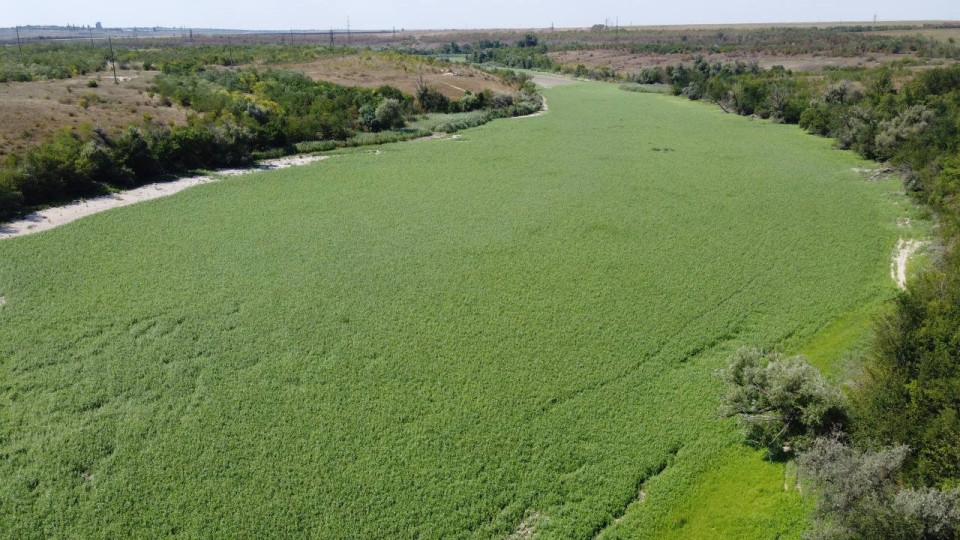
(113,60)
(19,46)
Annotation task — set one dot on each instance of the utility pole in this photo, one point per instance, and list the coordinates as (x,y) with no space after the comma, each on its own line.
(113,59)
(331,37)
(19,46)
(348,29)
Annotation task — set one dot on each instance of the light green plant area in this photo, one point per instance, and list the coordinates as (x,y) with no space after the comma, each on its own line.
(647,88)
(515,330)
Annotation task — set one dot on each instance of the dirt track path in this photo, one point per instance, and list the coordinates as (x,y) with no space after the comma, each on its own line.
(902,253)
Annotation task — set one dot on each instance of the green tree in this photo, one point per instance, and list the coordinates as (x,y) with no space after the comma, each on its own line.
(782,403)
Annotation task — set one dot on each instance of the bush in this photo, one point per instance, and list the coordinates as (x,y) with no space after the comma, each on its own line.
(431,100)
(11,200)
(859,496)
(50,171)
(781,403)
(389,115)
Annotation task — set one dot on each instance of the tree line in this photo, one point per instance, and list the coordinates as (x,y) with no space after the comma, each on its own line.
(883,454)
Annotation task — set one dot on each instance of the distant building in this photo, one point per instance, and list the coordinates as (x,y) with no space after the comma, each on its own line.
(99,26)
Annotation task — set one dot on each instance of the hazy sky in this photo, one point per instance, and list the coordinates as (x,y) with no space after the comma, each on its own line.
(376,14)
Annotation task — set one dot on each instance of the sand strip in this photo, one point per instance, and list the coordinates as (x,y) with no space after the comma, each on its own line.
(60,215)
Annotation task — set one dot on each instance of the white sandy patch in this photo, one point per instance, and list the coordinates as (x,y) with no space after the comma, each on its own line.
(527,528)
(60,215)
(3,300)
(901,255)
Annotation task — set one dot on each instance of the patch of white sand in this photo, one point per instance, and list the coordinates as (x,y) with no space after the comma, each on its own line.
(60,215)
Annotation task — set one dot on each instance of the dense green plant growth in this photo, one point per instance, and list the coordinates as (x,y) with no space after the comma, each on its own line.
(449,339)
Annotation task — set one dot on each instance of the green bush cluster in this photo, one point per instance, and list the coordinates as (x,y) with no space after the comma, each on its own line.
(85,161)
(517,56)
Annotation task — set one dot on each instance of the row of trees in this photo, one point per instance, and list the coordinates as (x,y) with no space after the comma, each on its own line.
(884,454)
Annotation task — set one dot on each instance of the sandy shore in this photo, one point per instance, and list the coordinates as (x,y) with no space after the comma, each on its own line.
(60,215)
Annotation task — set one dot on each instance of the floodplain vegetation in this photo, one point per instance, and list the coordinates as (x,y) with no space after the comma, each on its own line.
(456,339)
(397,345)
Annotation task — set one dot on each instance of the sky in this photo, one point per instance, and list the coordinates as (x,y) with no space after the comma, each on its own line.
(429,14)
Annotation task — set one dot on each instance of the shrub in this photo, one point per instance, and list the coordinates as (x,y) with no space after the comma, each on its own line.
(11,200)
(859,496)
(431,100)
(389,115)
(781,403)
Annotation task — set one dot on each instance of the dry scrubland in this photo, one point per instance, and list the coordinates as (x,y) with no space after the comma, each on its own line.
(403,72)
(32,111)
(623,61)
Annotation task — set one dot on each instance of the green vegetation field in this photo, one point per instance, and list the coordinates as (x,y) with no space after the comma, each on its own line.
(515,330)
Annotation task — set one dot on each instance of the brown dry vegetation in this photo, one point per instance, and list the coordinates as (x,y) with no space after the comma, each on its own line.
(626,62)
(940,34)
(33,111)
(373,70)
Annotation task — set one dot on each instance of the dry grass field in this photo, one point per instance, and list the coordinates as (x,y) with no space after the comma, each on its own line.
(623,61)
(33,111)
(372,70)
(941,34)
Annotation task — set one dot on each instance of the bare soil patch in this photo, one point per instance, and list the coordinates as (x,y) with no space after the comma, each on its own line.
(372,70)
(901,256)
(33,111)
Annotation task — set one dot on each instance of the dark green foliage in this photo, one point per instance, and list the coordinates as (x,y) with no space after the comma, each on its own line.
(54,171)
(528,54)
(912,393)
(11,200)
(430,99)
(782,403)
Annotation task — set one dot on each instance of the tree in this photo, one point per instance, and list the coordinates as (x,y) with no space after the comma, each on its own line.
(430,100)
(781,403)
(389,115)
